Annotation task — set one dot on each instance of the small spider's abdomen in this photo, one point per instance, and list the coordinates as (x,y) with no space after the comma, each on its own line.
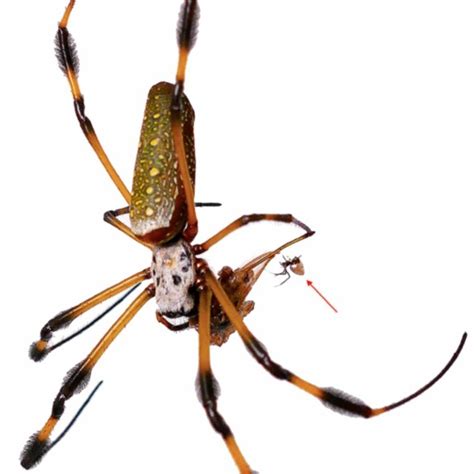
(297,266)
(158,206)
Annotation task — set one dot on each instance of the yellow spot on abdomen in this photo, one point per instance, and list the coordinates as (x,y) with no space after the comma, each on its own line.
(156,115)
(149,211)
(154,142)
(154,171)
(149,190)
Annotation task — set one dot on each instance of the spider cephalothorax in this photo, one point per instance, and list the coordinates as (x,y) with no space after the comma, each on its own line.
(174,274)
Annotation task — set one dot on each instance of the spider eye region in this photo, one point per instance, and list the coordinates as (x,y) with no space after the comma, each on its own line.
(174,273)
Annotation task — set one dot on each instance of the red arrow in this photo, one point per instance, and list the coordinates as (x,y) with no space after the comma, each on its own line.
(310,283)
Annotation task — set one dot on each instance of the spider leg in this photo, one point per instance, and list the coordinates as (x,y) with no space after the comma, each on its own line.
(69,63)
(76,380)
(288,276)
(333,398)
(208,388)
(245,220)
(284,272)
(111,217)
(39,349)
(187,31)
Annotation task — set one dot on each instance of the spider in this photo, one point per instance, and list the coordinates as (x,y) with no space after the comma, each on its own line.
(163,218)
(294,264)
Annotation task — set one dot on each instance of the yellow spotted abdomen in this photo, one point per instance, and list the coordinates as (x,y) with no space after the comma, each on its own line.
(158,206)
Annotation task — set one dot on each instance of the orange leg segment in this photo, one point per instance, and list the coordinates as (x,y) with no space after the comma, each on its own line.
(187,31)
(111,217)
(249,219)
(39,349)
(208,388)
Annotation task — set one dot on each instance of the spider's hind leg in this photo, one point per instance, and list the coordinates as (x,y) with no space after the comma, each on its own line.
(331,397)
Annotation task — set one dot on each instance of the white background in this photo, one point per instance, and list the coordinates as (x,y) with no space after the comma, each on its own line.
(357,117)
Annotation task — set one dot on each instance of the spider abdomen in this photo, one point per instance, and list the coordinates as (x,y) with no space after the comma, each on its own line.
(158,207)
(174,274)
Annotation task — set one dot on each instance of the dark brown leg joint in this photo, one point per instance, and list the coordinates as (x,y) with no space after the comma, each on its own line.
(208,392)
(258,351)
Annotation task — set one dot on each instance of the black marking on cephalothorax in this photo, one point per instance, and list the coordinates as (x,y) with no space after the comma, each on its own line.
(175,295)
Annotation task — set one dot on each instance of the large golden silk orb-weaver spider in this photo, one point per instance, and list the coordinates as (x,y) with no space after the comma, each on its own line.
(163,218)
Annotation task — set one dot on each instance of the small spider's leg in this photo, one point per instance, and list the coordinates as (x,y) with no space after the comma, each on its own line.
(69,63)
(284,268)
(284,272)
(111,217)
(331,397)
(207,386)
(40,349)
(248,219)
(288,276)
(76,380)
(168,325)
(186,35)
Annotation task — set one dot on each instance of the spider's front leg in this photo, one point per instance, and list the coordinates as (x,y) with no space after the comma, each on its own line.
(66,53)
